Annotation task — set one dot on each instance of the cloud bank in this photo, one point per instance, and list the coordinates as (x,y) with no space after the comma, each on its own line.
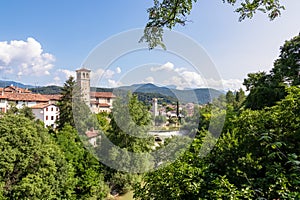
(184,78)
(25,58)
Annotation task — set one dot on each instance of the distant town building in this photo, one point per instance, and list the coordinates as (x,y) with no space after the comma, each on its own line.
(47,113)
(19,99)
(44,106)
(154,107)
(83,82)
(101,101)
(93,136)
(97,101)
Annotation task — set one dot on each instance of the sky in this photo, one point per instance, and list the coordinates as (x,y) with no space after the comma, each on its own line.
(44,42)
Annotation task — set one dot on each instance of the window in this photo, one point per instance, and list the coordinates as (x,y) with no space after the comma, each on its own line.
(52,117)
(56,109)
(52,109)
(108,100)
(46,109)
(46,117)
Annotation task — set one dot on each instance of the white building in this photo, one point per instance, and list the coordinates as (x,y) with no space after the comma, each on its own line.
(42,105)
(93,136)
(101,101)
(47,113)
(20,100)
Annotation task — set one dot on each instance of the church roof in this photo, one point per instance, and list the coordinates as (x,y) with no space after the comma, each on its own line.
(102,95)
(83,70)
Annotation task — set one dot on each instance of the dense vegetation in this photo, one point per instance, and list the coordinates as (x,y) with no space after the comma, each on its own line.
(257,155)
(53,89)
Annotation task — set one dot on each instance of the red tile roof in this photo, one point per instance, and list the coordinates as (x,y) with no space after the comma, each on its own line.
(14,89)
(92,133)
(40,105)
(100,104)
(102,95)
(24,97)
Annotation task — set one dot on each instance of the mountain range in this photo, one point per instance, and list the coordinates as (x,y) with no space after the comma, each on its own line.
(199,95)
(8,83)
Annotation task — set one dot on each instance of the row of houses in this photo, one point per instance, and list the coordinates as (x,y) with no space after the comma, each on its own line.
(44,107)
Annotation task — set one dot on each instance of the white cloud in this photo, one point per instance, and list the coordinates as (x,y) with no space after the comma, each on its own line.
(56,79)
(167,66)
(118,70)
(233,84)
(25,58)
(149,79)
(183,78)
(101,73)
(113,83)
(67,73)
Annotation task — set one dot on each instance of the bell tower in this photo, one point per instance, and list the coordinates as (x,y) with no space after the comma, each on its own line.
(83,81)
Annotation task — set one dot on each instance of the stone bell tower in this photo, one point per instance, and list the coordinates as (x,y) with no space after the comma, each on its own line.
(83,81)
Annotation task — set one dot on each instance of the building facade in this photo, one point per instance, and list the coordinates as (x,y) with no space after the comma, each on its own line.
(47,113)
(102,101)
(42,106)
(83,82)
(97,101)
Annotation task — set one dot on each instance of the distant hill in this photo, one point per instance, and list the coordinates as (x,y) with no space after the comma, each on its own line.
(147,98)
(145,92)
(52,89)
(200,95)
(8,83)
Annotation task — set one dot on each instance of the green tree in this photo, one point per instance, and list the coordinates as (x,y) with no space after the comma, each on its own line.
(169,13)
(32,166)
(230,98)
(267,89)
(240,97)
(103,121)
(73,110)
(88,173)
(128,131)
(130,124)
(260,152)
(65,103)
(258,158)
(287,66)
(25,110)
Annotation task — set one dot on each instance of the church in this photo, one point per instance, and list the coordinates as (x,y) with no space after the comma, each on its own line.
(97,101)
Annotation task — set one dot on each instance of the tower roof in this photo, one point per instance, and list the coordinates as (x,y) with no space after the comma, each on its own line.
(83,70)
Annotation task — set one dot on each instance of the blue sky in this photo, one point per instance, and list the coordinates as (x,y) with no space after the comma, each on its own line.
(42,42)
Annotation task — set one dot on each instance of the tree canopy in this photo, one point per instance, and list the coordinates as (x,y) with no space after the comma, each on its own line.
(32,166)
(268,88)
(257,154)
(169,13)
(65,104)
